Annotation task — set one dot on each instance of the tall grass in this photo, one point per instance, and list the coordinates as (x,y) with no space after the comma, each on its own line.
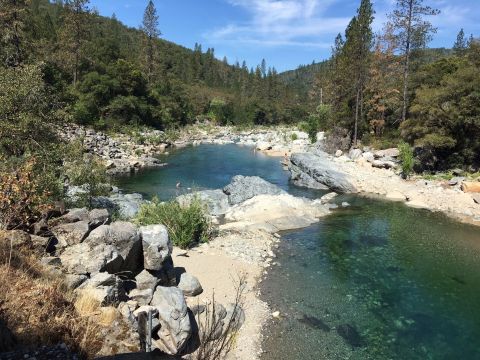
(187,225)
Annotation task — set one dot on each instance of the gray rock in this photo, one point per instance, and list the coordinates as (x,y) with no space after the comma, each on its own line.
(73,281)
(105,288)
(393,152)
(175,328)
(234,319)
(476,197)
(320,168)
(456,181)
(355,154)
(83,259)
(51,261)
(215,200)
(345,204)
(190,285)
(368,156)
(98,217)
(210,318)
(383,164)
(143,297)
(74,215)
(156,246)
(128,205)
(338,153)
(304,180)
(71,233)
(125,239)
(246,187)
(145,280)
(15,237)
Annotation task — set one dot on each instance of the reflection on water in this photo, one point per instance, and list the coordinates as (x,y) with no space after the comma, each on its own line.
(377,280)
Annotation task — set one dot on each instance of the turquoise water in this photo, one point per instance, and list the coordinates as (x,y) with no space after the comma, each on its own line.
(378,280)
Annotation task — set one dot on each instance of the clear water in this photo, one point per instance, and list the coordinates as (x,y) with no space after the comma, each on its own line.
(378,280)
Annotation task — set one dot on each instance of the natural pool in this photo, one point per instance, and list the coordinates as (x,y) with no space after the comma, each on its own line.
(378,280)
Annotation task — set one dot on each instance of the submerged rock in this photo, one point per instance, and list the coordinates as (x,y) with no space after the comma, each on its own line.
(314,322)
(350,334)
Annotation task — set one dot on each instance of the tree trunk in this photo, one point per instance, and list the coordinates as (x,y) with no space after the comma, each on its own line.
(357,104)
(407,61)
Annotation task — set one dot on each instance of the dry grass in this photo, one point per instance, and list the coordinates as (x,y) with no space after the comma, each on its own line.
(37,309)
(107,316)
(86,304)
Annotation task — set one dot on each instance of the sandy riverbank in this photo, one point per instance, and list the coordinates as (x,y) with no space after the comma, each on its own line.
(218,265)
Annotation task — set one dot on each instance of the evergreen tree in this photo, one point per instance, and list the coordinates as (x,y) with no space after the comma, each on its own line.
(151,31)
(74,34)
(413,32)
(460,44)
(12,31)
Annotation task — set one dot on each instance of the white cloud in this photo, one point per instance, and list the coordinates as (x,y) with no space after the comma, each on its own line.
(282,23)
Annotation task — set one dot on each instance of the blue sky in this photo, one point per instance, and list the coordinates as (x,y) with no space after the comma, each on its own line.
(286,33)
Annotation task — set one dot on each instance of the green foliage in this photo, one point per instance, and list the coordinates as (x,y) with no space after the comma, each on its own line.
(85,171)
(187,225)
(294,136)
(406,158)
(317,121)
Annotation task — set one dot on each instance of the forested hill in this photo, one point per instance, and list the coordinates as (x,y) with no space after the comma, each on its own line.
(302,79)
(109,75)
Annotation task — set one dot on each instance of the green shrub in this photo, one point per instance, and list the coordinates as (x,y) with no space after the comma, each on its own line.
(187,225)
(294,136)
(406,159)
(317,121)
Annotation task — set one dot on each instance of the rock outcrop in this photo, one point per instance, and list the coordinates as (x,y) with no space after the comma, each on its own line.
(243,188)
(322,170)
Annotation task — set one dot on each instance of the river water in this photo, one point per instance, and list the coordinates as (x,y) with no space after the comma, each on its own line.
(377,280)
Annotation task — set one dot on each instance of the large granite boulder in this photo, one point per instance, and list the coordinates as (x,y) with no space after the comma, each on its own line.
(216,201)
(320,168)
(176,328)
(71,233)
(125,239)
(246,187)
(84,259)
(157,246)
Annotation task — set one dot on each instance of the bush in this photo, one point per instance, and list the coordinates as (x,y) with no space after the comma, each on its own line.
(187,225)
(406,159)
(294,136)
(317,121)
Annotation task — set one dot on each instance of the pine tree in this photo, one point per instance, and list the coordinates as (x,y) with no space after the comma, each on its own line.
(12,31)
(460,44)
(413,32)
(151,31)
(74,34)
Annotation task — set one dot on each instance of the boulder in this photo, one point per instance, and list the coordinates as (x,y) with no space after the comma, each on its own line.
(320,168)
(71,233)
(302,179)
(72,281)
(142,297)
(325,199)
(210,320)
(355,154)
(215,200)
(392,152)
(471,186)
(125,239)
(127,205)
(368,156)
(156,246)
(246,187)
(103,287)
(98,217)
(74,215)
(338,153)
(234,318)
(146,280)
(175,329)
(84,259)
(190,285)
(384,164)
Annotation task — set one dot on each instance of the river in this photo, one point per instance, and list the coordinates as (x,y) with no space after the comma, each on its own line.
(377,280)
